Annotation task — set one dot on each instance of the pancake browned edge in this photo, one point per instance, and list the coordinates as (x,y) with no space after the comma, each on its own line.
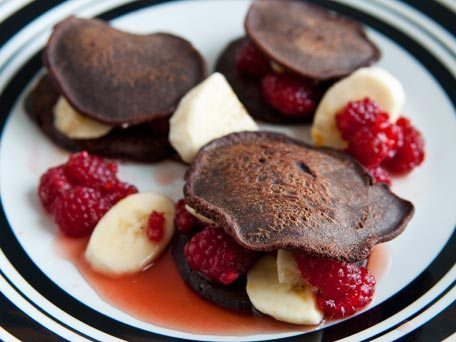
(271,192)
(233,296)
(140,142)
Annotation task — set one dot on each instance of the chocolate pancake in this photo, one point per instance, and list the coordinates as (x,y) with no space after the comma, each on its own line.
(142,142)
(116,77)
(269,191)
(233,296)
(308,39)
(249,89)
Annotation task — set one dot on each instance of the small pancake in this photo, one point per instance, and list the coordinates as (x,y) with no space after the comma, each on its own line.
(249,89)
(145,142)
(269,191)
(308,39)
(233,296)
(116,77)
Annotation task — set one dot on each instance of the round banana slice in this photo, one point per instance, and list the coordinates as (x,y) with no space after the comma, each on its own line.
(373,82)
(72,124)
(119,244)
(284,302)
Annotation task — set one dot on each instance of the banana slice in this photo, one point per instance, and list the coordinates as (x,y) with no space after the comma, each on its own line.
(287,269)
(198,216)
(284,302)
(209,111)
(68,121)
(373,82)
(119,244)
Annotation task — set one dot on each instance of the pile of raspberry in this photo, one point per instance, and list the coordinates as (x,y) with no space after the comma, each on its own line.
(211,251)
(292,95)
(342,288)
(79,192)
(379,145)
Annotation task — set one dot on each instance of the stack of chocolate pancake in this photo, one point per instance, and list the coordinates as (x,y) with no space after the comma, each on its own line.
(271,192)
(131,83)
(299,38)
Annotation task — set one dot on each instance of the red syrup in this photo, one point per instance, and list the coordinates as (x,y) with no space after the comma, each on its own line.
(159,295)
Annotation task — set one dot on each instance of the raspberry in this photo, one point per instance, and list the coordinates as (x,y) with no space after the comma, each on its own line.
(357,115)
(91,171)
(291,95)
(342,288)
(78,210)
(370,146)
(217,256)
(250,61)
(380,175)
(183,220)
(52,185)
(410,152)
(155,226)
(117,191)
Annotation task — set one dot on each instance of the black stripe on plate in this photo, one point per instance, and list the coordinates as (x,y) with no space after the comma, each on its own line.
(438,328)
(46,287)
(441,14)
(43,312)
(20,325)
(417,25)
(14,23)
(420,311)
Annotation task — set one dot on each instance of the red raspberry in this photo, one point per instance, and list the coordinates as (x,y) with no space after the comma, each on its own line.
(380,175)
(343,288)
(217,256)
(91,171)
(289,94)
(250,61)
(53,184)
(183,220)
(117,191)
(357,115)
(156,226)
(410,152)
(370,146)
(78,211)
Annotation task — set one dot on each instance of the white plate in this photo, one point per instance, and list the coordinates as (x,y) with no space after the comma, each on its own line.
(50,289)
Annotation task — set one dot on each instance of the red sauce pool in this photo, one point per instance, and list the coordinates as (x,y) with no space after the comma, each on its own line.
(160,296)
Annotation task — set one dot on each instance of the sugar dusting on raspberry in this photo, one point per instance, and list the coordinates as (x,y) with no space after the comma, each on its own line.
(155,226)
(81,191)
(217,256)
(342,288)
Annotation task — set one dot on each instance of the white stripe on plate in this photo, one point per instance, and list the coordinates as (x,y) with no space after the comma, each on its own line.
(424,21)
(5,335)
(408,311)
(8,7)
(35,314)
(407,28)
(45,22)
(419,320)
